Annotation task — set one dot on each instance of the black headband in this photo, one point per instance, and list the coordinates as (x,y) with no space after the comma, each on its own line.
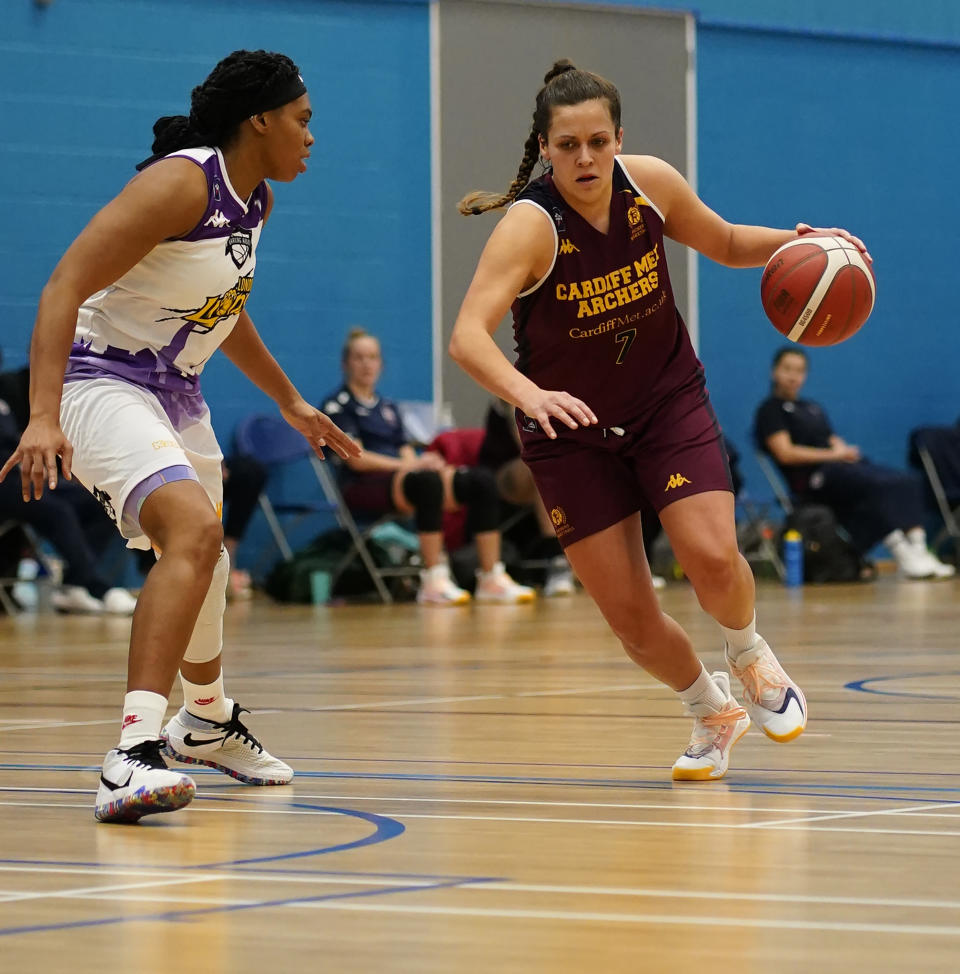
(287,91)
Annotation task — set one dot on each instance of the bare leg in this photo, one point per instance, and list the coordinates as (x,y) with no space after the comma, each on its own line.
(613,569)
(703,535)
(180,520)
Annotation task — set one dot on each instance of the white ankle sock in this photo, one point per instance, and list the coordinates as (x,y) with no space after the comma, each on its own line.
(143,713)
(740,640)
(206,701)
(918,538)
(895,540)
(703,693)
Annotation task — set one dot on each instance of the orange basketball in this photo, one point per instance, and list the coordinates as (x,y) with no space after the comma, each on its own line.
(818,289)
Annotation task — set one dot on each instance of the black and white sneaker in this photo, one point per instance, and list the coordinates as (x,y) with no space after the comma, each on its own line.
(227,746)
(135,781)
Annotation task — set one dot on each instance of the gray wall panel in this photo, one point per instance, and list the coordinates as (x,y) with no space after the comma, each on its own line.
(492,57)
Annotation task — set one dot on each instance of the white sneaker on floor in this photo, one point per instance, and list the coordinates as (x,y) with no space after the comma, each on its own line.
(559,578)
(227,746)
(135,782)
(707,756)
(938,569)
(497,586)
(438,588)
(75,598)
(119,602)
(772,699)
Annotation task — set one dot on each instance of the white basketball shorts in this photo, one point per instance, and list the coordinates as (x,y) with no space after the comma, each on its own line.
(121,435)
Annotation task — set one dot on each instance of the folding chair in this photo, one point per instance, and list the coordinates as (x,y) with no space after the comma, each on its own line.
(275,443)
(936,451)
(776,481)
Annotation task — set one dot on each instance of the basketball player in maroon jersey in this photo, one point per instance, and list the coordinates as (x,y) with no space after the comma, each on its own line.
(611,401)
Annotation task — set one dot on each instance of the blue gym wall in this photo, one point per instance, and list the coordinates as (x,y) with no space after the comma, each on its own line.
(829,112)
(81,83)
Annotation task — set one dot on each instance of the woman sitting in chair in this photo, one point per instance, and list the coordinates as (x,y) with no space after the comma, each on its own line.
(873,503)
(389,476)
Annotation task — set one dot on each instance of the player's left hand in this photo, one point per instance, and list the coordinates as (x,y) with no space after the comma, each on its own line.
(320,430)
(803,228)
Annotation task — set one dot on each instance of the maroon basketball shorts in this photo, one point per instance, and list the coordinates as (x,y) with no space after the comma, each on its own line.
(598,477)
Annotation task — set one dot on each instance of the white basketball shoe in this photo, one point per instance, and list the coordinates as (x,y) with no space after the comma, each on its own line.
(714,733)
(135,781)
(772,699)
(227,746)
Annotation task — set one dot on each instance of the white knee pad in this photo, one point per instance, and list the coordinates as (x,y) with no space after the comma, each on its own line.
(207,639)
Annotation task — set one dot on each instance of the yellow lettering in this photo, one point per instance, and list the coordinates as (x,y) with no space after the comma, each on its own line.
(597,306)
(561,292)
(587,288)
(584,310)
(575,294)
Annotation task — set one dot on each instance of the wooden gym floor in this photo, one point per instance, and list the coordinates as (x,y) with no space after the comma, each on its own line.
(488,789)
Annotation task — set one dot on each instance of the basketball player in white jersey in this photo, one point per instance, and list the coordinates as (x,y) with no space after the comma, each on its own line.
(154,284)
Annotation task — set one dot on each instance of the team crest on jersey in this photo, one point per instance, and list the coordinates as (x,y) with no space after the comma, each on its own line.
(239,246)
(217,308)
(635,219)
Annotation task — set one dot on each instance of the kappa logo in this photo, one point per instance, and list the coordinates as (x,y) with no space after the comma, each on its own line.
(239,247)
(218,220)
(566,247)
(676,480)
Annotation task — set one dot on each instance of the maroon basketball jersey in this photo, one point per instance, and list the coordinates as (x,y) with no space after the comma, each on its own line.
(603,325)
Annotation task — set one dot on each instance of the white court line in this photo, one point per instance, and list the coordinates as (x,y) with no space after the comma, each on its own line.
(637,823)
(851,814)
(46,724)
(16,897)
(694,921)
(918,811)
(168,878)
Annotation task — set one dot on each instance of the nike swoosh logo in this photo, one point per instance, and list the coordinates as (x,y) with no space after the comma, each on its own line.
(115,786)
(192,741)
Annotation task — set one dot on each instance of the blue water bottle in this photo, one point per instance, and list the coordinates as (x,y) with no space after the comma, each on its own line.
(793,558)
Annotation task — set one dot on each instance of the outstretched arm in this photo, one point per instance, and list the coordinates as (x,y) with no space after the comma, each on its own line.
(245,348)
(690,221)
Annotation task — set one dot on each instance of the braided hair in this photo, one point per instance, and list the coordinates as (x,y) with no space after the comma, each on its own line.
(563,84)
(244,83)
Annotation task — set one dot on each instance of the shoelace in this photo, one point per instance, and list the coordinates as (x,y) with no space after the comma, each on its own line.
(235,727)
(759,677)
(146,754)
(715,721)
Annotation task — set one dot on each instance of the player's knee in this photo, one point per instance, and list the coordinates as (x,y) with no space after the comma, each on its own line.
(715,567)
(200,541)
(424,491)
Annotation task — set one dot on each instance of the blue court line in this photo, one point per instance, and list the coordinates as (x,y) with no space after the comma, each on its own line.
(605,783)
(179,915)
(452,762)
(862,686)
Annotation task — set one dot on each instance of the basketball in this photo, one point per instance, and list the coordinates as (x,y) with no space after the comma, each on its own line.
(818,289)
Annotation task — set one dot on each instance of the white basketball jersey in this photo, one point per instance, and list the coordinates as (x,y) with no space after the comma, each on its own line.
(159,323)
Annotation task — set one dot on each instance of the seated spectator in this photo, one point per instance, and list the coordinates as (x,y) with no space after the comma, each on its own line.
(243,480)
(74,523)
(873,503)
(500,453)
(390,476)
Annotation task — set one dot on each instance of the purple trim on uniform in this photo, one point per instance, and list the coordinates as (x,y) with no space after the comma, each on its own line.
(130,521)
(224,213)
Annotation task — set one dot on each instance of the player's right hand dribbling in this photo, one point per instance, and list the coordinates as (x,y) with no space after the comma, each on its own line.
(545,405)
(40,445)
